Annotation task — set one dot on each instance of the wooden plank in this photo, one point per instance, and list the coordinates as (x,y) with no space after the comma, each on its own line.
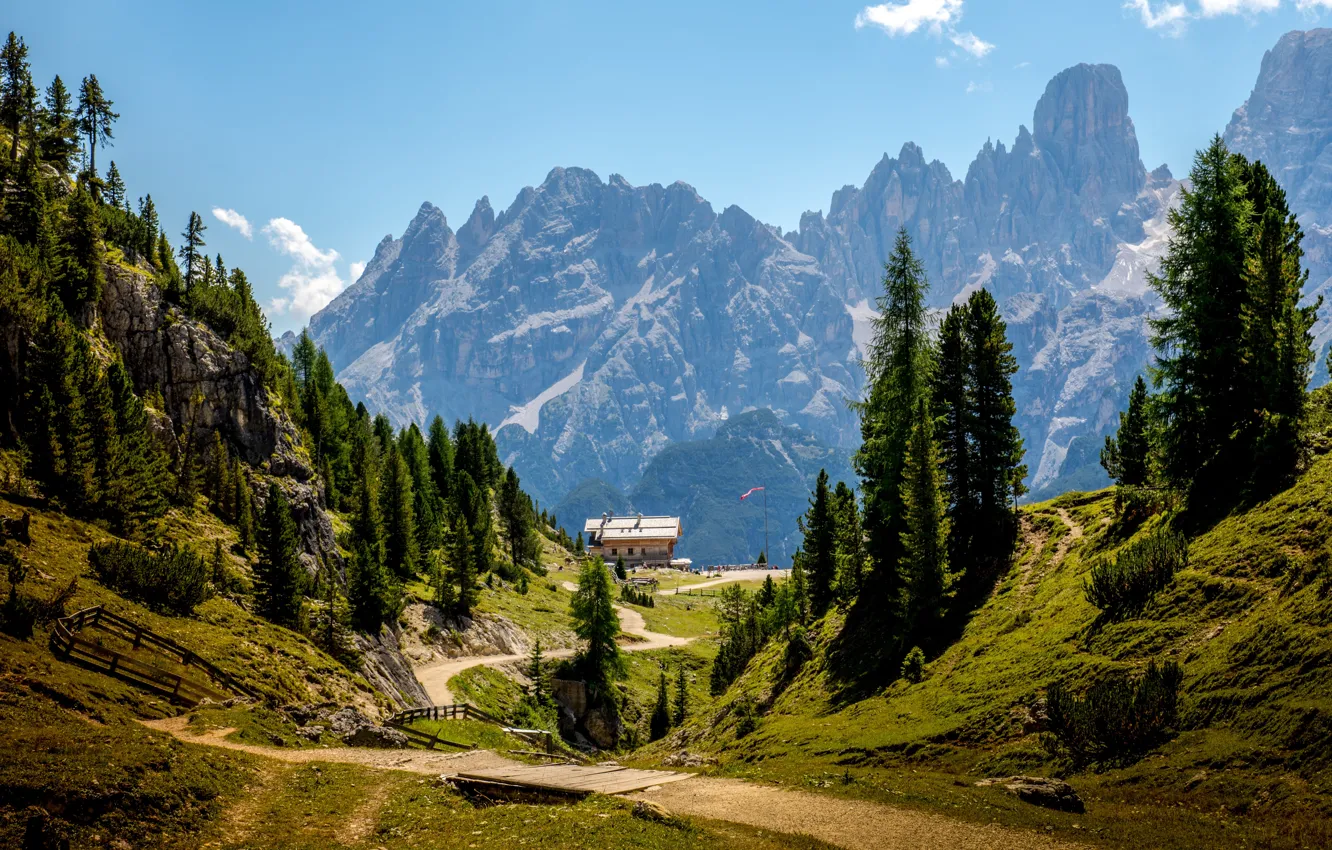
(638,782)
(546,772)
(612,779)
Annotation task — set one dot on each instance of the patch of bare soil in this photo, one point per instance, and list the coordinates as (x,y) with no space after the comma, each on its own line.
(853,824)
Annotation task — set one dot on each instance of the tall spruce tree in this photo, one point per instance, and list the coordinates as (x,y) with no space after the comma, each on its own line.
(660,722)
(925,540)
(244,501)
(279,577)
(15,80)
(191,252)
(441,457)
(460,555)
(998,470)
(596,622)
(819,547)
(59,132)
(399,512)
(898,370)
(1125,456)
(115,187)
(680,708)
(850,542)
(80,262)
(94,117)
(953,399)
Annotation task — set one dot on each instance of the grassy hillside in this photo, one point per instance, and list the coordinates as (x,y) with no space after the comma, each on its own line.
(1250,621)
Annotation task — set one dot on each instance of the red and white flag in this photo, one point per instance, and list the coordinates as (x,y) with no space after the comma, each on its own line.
(751,492)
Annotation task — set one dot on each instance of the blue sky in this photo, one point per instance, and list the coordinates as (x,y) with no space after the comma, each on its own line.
(325,125)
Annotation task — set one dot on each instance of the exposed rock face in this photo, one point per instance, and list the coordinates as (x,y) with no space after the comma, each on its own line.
(384,666)
(1039,791)
(1287,123)
(598,322)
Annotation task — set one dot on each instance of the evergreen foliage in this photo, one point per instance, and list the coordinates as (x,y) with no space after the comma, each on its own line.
(174,580)
(1119,718)
(1123,586)
(399,512)
(1125,456)
(59,133)
(924,563)
(95,118)
(680,707)
(818,552)
(279,577)
(660,723)
(596,623)
(15,80)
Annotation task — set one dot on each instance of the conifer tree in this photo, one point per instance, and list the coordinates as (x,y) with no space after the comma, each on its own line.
(59,133)
(850,543)
(398,510)
(244,502)
(15,80)
(26,210)
(681,707)
(596,622)
(190,252)
(370,591)
(115,187)
(279,576)
(427,506)
(925,540)
(660,723)
(578,544)
(1125,454)
(474,506)
(536,672)
(819,546)
(898,371)
(441,457)
(143,463)
(997,471)
(515,509)
(94,117)
(80,264)
(953,398)
(460,551)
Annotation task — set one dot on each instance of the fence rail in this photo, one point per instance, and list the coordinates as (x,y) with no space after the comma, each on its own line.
(464,711)
(65,641)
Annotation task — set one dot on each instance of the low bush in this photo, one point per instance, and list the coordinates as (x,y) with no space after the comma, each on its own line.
(913,666)
(798,651)
(1124,586)
(1119,718)
(174,580)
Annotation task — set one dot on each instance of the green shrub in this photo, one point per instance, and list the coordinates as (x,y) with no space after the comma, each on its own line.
(746,716)
(173,580)
(798,651)
(1124,586)
(913,666)
(1119,717)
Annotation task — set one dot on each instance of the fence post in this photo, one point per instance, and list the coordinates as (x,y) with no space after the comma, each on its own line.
(138,636)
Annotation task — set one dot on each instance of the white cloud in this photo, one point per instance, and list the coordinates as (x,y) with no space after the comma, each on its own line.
(938,17)
(1019,66)
(354,271)
(1171,17)
(941,62)
(971,44)
(234,220)
(909,16)
(1212,8)
(974,87)
(313,279)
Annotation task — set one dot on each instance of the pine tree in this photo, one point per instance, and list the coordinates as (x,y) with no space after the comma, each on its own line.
(94,117)
(15,80)
(190,252)
(953,398)
(850,542)
(80,263)
(819,546)
(115,187)
(26,210)
(596,622)
(579,545)
(515,510)
(279,576)
(925,540)
(441,457)
(427,506)
(370,590)
(474,506)
(536,672)
(998,470)
(151,228)
(59,132)
(143,464)
(680,709)
(1125,454)
(460,550)
(660,723)
(398,510)
(1200,354)
(620,572)
(244,502)
(898,372)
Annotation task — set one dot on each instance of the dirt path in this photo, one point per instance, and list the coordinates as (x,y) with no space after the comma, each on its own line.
(412,761)
(727,578)
(435,677)
(1074,535)
(853,824)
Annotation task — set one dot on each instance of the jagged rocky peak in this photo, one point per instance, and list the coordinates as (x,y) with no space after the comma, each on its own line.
(1082,123)
(479,228)
(1287,124)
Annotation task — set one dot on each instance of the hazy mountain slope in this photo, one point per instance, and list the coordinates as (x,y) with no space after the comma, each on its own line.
(702,481)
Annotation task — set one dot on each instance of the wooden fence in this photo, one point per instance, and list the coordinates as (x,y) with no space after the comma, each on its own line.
(463,711)
(65,642)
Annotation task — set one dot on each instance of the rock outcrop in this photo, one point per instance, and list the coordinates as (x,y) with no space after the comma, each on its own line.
(1039,791)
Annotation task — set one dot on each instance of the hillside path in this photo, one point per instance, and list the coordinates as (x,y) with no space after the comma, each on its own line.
(1075,531)
(853,824)
(727,578)
(435,677)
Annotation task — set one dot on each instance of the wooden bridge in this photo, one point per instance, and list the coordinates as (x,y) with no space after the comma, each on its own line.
(564,779)
(401,721)
(66,643)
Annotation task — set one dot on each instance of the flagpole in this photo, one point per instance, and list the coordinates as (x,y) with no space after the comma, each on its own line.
(767,556)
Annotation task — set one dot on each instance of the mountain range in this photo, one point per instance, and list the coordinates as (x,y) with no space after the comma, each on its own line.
(595,323)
